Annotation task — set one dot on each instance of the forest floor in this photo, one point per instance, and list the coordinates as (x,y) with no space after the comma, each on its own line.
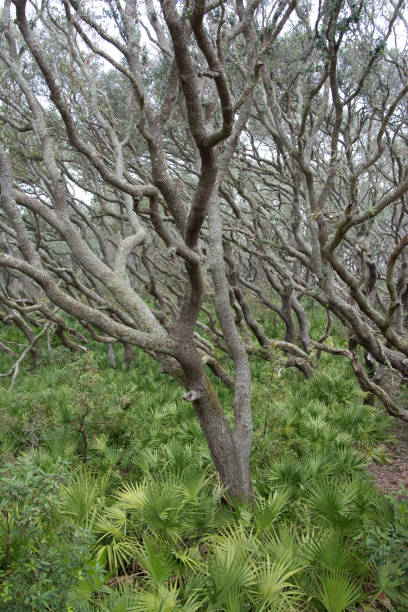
(393,476)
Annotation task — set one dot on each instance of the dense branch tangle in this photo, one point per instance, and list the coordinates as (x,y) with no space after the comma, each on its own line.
(171,172)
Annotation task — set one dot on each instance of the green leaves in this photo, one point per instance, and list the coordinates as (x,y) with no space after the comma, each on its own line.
(80,495)
(41,553)
(228,573)
(274,587)
(333,504)
(269,510)
(155,559)
(330,551)
(148,523)
(337,591)
(132,496)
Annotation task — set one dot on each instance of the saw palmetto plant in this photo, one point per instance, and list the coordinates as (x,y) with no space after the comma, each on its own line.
(161,531)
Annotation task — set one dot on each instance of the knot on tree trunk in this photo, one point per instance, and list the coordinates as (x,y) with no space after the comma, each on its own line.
(193,395)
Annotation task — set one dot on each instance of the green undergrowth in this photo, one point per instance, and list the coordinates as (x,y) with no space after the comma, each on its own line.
(109,500)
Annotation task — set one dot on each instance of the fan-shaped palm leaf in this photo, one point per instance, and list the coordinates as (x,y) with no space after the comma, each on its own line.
(338,592)
(161,510)
(120,553)
(131,496)
(286,472)
(80,495)
(332,502)
(283,545)
(274,589)
(331,552)
(229,572)
(155,559)
(268,511)
(389,583)
(162,599)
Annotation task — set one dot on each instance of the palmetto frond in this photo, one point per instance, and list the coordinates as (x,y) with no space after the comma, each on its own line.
(99,443)
(147,459)
(119,552)
(123,599)
(337,591)
(268,511)
(100,448)
(62,444)
(285,472)
(349,460)
(155,558)
(275,588)
(388,583)
(318,464)
(80,595)
(229,572)
(284,545)
(188,560)
(162,599)
(178,455)
(316,429)
(333,387)
(131,496)
(236,539)
(163,502)
(79,497)
(193,486)
(333,504)
(329,551)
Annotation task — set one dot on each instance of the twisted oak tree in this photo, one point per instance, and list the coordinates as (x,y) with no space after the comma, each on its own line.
(170,172)
(73,134)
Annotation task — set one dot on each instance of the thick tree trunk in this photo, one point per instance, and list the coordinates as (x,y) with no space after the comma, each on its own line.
(230,450)
(228,453)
